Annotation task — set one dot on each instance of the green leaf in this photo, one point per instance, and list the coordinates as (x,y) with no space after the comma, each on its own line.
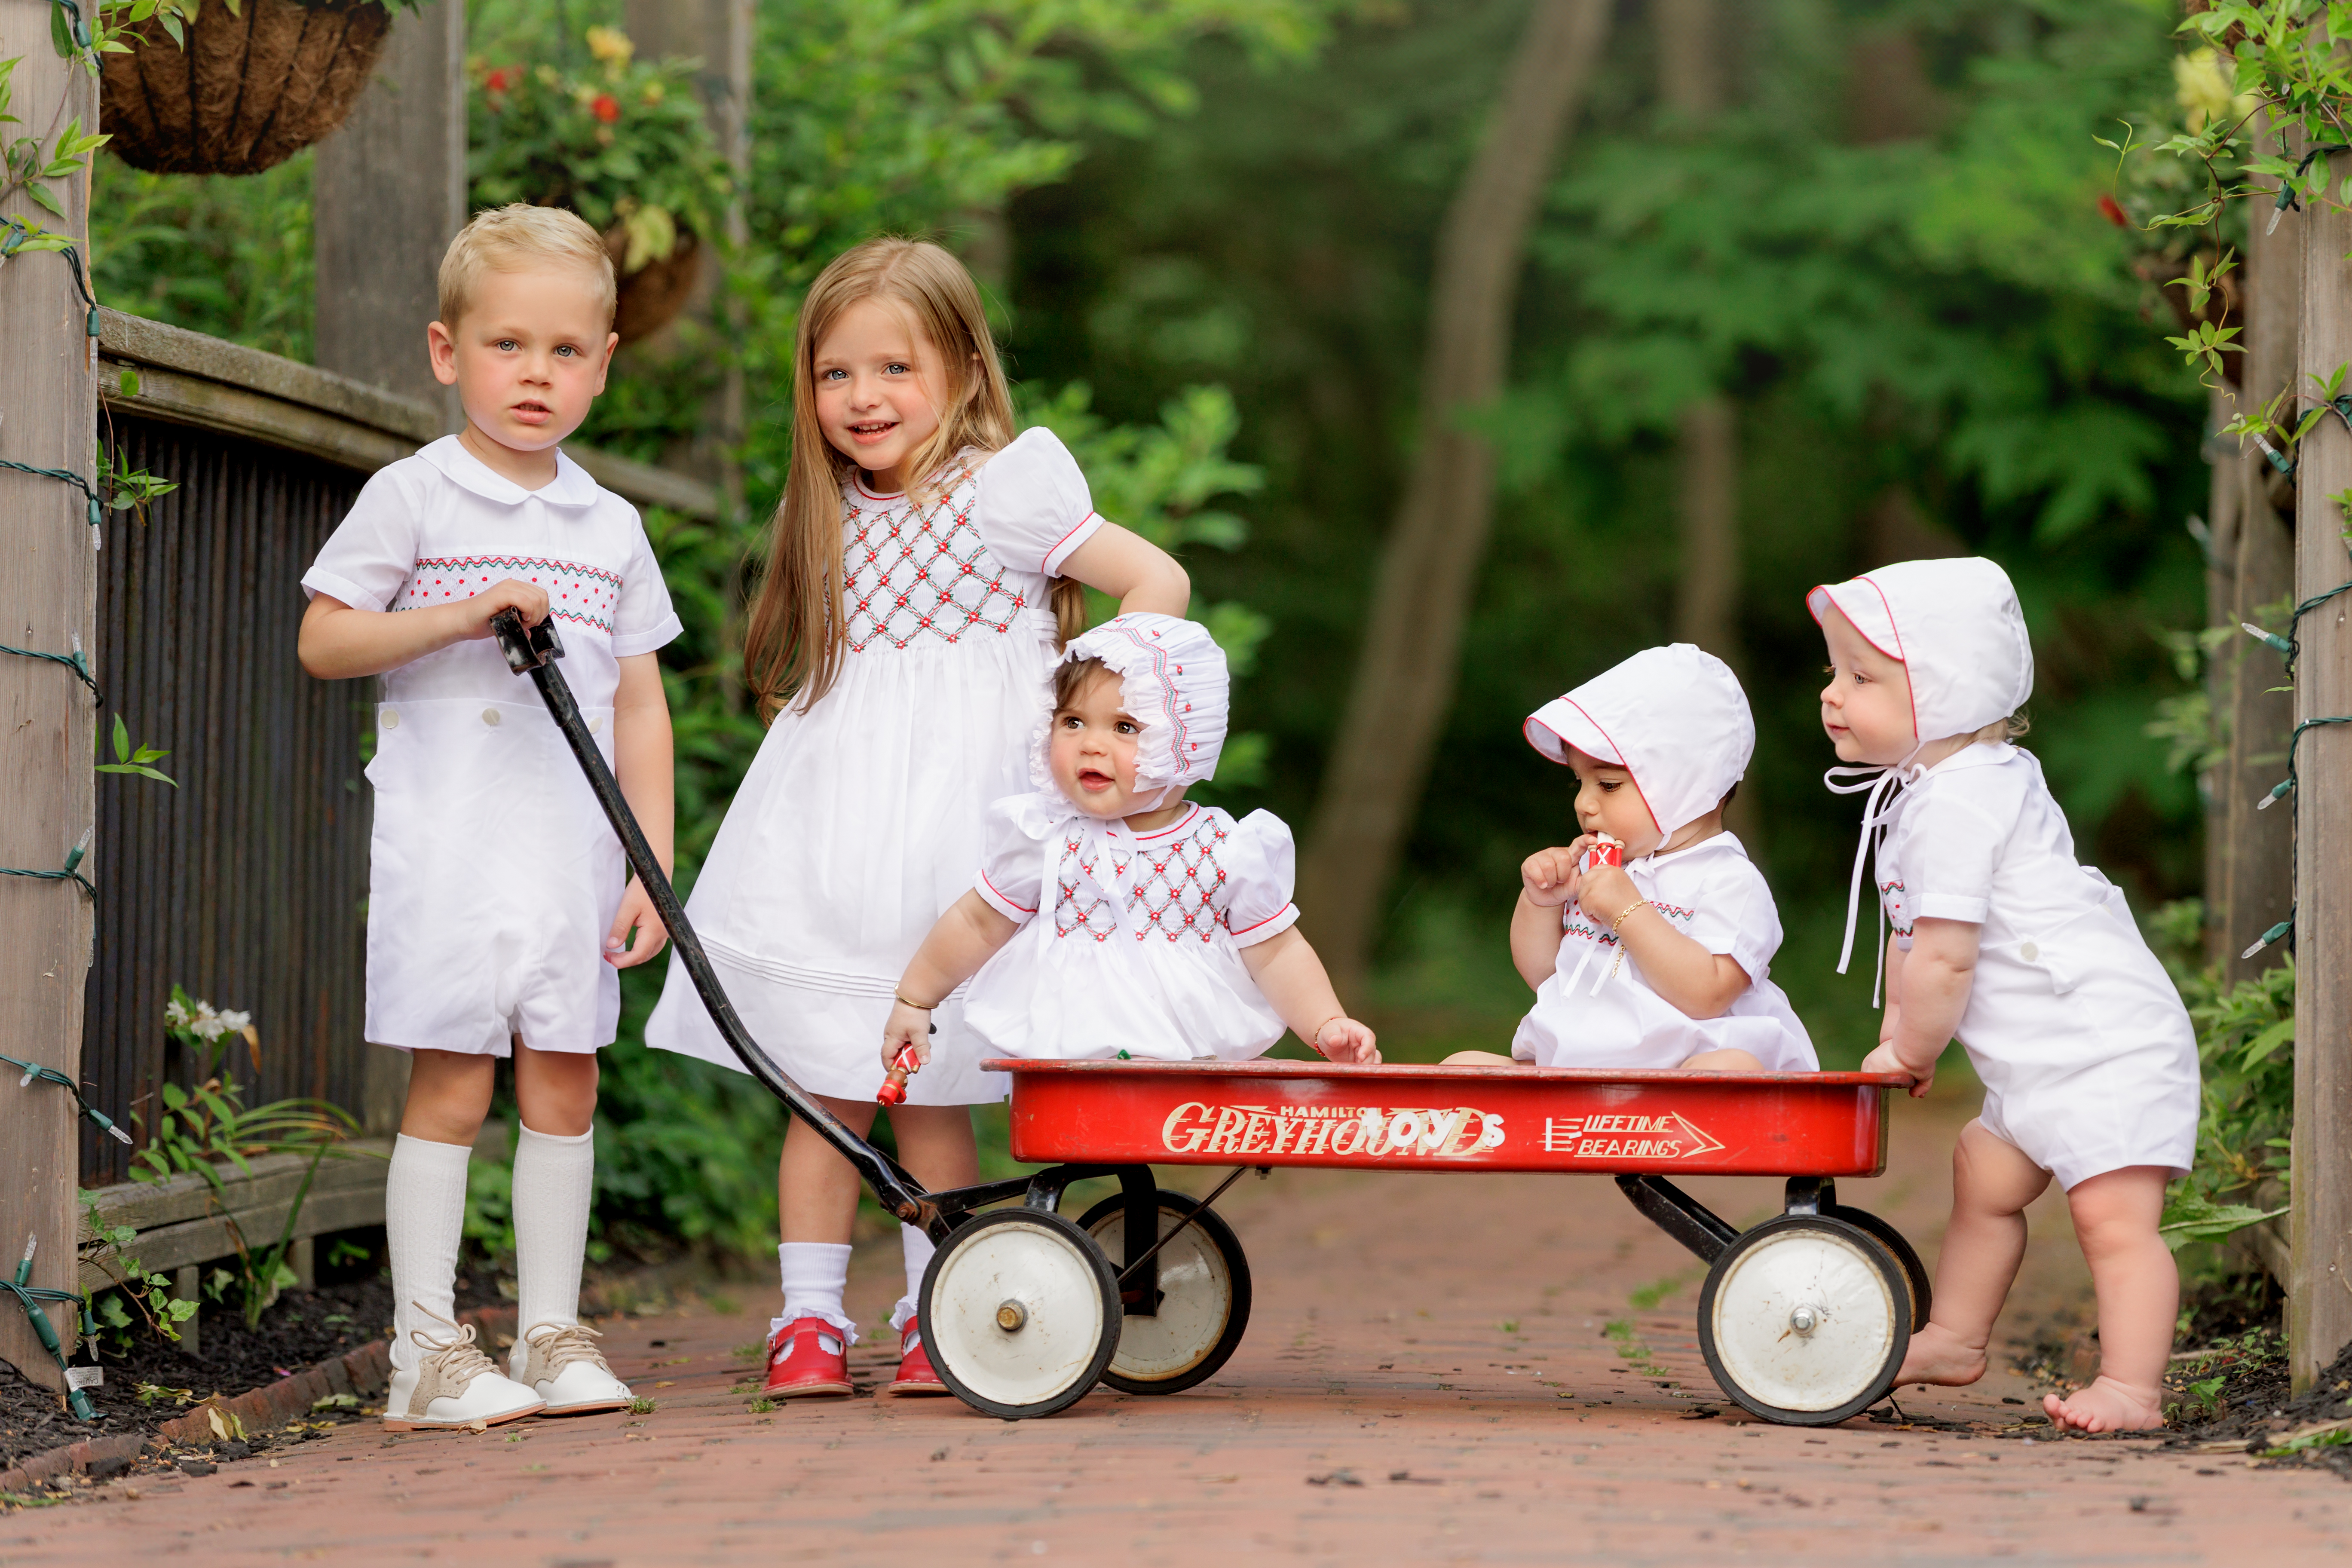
(122,739)
(41,194)
(135,768)
(2269,1041)
(61,35)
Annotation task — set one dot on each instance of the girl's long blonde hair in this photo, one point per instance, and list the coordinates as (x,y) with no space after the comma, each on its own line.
(792,649)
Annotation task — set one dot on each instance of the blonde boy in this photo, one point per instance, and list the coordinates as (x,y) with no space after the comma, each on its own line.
(498,914)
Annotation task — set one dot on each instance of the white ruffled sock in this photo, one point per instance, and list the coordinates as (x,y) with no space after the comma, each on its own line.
(423,1221)
(815,1273)
(554,1187)
(916,1243)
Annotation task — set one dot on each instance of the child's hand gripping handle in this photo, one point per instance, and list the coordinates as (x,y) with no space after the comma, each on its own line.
(894,1086)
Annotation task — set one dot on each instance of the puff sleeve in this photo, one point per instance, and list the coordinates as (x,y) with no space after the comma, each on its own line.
(1260,866)
(1733,914)
(1033,509)
(1012,854)
(643,620)
(372,552)
(1953,836)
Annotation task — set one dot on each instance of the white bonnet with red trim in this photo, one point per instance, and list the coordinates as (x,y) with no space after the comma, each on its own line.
(1172,681)
(1673,717)
(1955,626)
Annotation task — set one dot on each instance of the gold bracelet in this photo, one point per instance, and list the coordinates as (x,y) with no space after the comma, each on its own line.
(1627,913)
(917,1006)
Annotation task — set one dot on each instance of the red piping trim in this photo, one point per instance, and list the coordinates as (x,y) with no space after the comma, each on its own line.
(859,480)
(1015,903)
(1049,563)
(1895,653)
(1621,751)
(1192,810)
(1278,914)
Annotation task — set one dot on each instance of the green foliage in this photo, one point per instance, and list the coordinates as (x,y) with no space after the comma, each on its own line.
(107,1247)
(208,1129)
(2245,1051)
(139,761)
(625,143)
(221,254)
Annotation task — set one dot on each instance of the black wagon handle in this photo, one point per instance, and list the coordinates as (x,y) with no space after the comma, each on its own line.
(534,652)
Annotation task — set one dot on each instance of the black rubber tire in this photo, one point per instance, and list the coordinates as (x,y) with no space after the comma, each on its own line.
(1220,1236)
(1105,1283)
(1898,1290)
(1923,1295)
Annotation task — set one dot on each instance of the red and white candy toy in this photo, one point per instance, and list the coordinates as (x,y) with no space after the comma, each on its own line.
(1604,851)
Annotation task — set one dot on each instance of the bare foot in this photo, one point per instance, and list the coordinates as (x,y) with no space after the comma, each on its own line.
(1939,1355)
(2105,1407)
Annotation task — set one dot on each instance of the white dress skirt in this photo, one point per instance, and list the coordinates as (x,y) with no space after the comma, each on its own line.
(1130,943)
(859,822)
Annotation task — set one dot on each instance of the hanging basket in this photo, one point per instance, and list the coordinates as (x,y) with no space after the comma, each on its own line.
(653,295)
(253,87)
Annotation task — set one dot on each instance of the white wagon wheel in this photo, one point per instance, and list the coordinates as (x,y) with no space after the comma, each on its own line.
(1204,1296)
(1020,1312)
(1804,1321)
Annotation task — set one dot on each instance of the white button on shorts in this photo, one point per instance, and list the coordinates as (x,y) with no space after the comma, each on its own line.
(490,716)
(597,725)
(390,720)
(2029,952)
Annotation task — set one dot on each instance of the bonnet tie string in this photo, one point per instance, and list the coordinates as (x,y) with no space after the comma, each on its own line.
(1880,781)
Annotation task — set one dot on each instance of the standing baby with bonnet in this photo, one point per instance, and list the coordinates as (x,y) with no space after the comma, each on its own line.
(1112,917)
(2031,960)
(1663,961)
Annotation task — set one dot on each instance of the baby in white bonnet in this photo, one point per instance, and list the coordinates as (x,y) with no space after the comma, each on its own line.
(1111,917)
(1662,962)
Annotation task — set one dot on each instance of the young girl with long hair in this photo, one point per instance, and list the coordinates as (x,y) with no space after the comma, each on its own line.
(925,569)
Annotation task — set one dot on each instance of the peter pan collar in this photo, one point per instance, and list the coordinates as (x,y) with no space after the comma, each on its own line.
(570,486)
(1978,755)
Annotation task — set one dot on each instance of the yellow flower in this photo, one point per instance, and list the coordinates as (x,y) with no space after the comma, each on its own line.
(610,45)
(2202,82)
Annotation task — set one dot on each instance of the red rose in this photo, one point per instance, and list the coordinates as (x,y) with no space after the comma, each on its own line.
(605,108)
(2114,211)
(503,78)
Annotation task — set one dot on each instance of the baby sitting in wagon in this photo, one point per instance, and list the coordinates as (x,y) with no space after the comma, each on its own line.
(1648,939)
(1111,917)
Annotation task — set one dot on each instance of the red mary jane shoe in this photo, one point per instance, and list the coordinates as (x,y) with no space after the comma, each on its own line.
(808,1356)
(916,1374)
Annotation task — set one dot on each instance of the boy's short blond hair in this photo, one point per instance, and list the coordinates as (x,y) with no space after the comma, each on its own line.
(515,238)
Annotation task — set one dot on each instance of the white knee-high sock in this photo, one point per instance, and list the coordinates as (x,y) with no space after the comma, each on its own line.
(423,1221)
(554,1186)
(816,1274)
(916,1244)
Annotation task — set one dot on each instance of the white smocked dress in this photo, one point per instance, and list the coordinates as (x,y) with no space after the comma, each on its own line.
(1596,1008)
(859,822)
(1129,941)
(2088,1055)
(492,874)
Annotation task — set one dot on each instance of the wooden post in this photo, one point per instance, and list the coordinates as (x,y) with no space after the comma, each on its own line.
(48,596)
(2319,1298)
(717,34)
(2247,890)
(389,193)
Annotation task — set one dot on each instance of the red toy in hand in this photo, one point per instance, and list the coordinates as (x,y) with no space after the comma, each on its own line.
(894,1086)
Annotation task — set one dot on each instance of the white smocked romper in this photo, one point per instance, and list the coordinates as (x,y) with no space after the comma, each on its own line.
(1163,981)
(859,822)
(2088,1058)
(1596,1008)
(492,874)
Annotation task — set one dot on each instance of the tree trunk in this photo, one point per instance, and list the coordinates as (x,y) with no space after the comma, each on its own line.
(1706,437)
(48,598)
(2252,891)
(2319,1299)
(1412,650)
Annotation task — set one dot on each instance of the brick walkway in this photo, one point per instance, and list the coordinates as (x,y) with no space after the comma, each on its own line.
(1430,1375)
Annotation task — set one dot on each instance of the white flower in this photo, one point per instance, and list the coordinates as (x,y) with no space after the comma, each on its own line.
(233,1022)
(175,1016)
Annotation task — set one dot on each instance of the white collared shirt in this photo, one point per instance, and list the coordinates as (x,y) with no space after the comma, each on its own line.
(443,526)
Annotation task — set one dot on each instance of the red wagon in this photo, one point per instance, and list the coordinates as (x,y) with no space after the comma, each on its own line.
(1803,1318)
